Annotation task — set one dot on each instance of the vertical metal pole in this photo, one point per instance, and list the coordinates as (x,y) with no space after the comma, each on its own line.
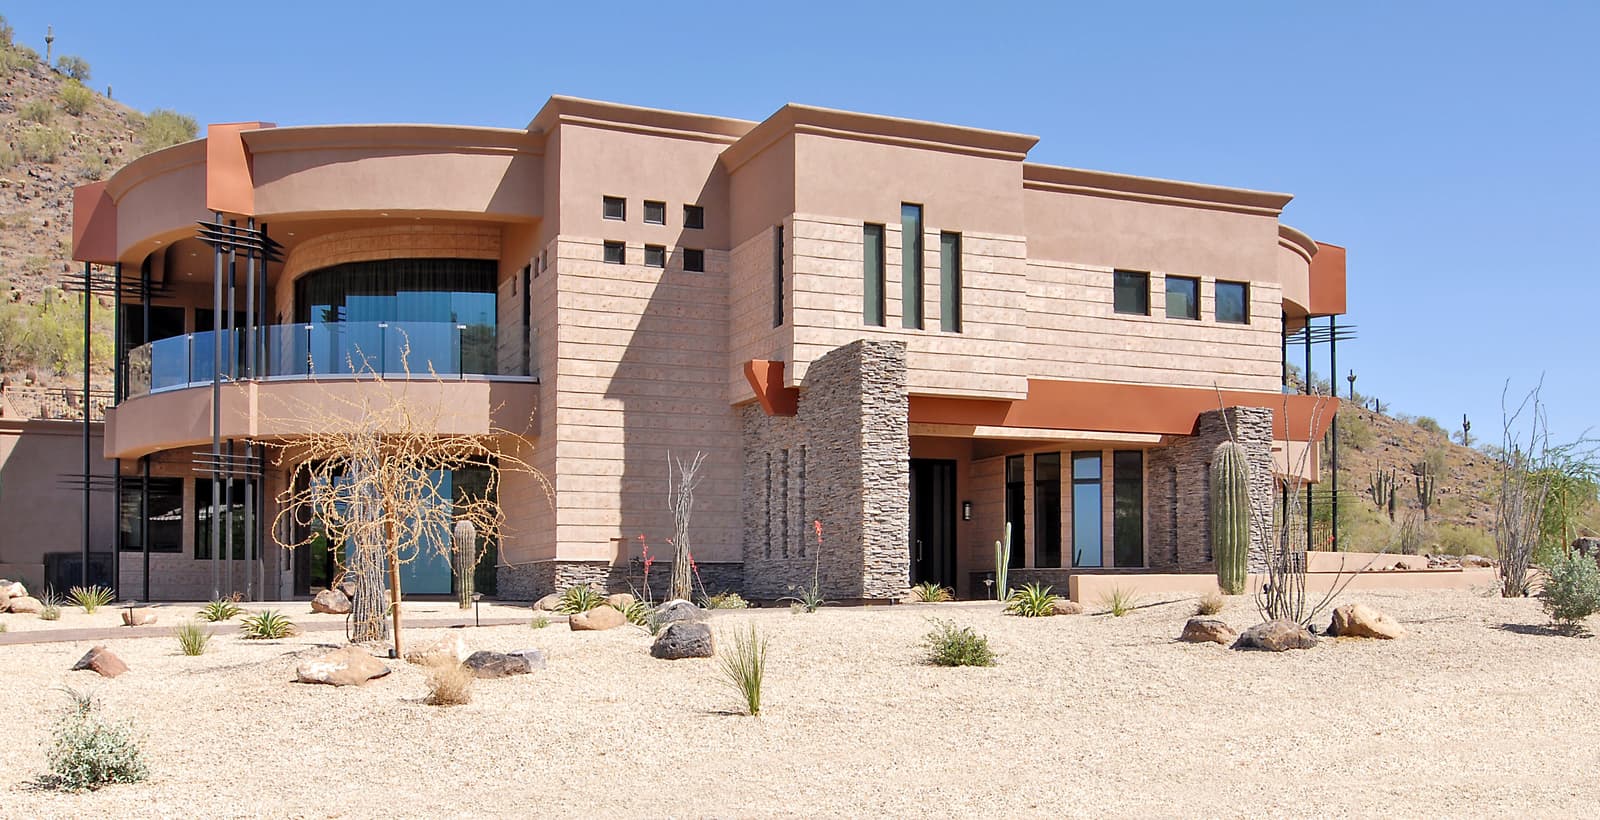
(216,410)
(117,363)
(144,522)
(250,306)
(1333,371)
(228,476)
(88,296)
(1310,513)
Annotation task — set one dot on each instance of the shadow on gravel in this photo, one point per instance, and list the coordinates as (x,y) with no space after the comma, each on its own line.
(1546,630)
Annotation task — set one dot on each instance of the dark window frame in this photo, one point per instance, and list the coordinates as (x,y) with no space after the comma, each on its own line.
(1244,304)
(1194,304)
(621,203)
(950,288)
(694,217)
(874,275)
(912,278)
(658,205)
(1046,511)
(610,247)
(777,276)
(660,252)
(694,260)
(1016,507)
(1127,508)
(169,538)
(1118,278)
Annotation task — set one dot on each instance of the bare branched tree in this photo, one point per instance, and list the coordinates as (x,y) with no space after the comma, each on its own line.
(682,477)
(1521,467)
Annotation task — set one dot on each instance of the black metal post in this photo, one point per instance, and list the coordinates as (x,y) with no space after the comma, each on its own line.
(144,461)
(1306,377)
(117,366)
(1333,373)
(88,355)
(216,410)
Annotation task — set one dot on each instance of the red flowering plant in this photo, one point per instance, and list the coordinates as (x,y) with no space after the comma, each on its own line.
(804,599)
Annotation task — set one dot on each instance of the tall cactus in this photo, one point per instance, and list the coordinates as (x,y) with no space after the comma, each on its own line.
(1381,486)
(1002,565)
(1427,486)
(1230,516)
(466,561)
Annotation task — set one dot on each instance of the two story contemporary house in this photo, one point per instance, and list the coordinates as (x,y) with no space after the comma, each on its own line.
(903,334)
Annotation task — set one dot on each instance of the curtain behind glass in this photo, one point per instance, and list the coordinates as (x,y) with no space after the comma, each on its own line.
(400,290)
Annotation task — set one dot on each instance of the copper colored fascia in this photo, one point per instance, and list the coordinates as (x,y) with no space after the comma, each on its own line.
(766,379)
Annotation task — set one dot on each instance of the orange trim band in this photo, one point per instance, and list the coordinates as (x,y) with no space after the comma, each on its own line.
(766,378)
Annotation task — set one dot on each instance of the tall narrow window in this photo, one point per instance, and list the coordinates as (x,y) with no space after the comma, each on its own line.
(1127,507)
(1047,510)
(164,516)
(1183,297)
(1015,499)
(1233,302)
(911,266)
(872,275)
(205,509)
(1086,510)
(950,282)
(1131,292)
(777,277)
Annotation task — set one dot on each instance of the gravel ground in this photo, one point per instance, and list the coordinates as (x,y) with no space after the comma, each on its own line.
(1478,712)
(168,615)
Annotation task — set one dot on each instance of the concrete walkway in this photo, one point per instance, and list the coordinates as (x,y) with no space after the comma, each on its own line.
(98,634)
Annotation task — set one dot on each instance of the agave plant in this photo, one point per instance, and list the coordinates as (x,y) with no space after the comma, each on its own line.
(644,616)
(806,599)
(580,598)
(90,598)
(268,624)
(220,610)
(1032,601)
(931,593)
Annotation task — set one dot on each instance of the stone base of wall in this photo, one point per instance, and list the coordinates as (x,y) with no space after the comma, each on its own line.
(1178,490)
(530,582)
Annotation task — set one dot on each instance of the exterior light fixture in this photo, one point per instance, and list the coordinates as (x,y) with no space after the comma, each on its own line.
(476,597)
(966,511)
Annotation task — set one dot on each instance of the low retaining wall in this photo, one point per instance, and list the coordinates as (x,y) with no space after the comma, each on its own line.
(1091,588)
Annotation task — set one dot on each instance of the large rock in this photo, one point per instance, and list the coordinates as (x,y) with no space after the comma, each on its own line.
(1207,630)
(620,601)
(678,609)
(347,666)
(1476,561)
(1064,606)
(601,617)
(548,603)
(1362,621)
(138,617)
(451,648)
(100,660)
(26,605)
(331,602)
(13,589)
(1411,564)
(486,664)
(1276,636)
(684,639)
(5,602)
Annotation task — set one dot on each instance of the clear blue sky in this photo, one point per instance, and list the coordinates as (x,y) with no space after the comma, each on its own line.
(1451,146)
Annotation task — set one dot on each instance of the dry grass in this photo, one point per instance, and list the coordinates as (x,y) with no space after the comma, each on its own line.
(449,684)
(1210,604)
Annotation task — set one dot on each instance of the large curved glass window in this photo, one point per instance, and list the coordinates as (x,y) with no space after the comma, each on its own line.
(399,290)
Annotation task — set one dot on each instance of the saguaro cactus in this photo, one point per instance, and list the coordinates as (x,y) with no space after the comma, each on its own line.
(1002,565)
(466,561)
(1230,516)
(1427,486)
(1381,486)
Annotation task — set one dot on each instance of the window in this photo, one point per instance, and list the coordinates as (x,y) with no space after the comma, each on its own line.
(655,213)
(616,253)
(1233,302)
(694,260)
(615,207)
(777,277)
(1127,508)
(1131,292)
(165,515)
(1015,498)
(1047,510)
(950,282)
(872,309)
(911,266)
(1183,297)
(694,217)
(231,505)
(655,256)
(1086,510)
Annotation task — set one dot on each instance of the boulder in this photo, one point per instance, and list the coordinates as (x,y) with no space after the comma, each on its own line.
(684,639)
(100,660)
(678,609)
(1476,561)
(13,589)
(138,617)
(347,588)
(331,602)
(5,602)
(548,603)
(601,617)
(346,666)
(1063,606)
(1207,630)
(1362,621)
(486,664)
(26,605)
(620,601)
(1280,635)
(452,648)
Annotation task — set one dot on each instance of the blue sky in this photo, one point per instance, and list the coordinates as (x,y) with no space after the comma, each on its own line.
(1452,147)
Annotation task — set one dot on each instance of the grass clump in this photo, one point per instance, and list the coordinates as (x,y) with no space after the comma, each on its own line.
(75,97)
(449,684)
(192,638)
(1119,601)
(745,665)
(220,610)
(726,600)
(37,111)
(951,645)
(579,599)
(88,752)
(1210,604)
(90,598)
(266,625)
(50,606)
(1571,589)
(1032,601)
(930,593)
(540,621)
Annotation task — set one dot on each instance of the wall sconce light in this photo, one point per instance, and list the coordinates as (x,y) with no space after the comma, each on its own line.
(966,511)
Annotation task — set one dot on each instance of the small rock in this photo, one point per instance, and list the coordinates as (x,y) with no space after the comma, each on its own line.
(138,617)
(1362,621)
(678,609)
(1276,636)
(347,666)
(101,661)
(486,664)
(548,603)
(620,601)
(347,587)
(1411,563)
(26,605)
(331,602)
(601,617)
(684,639)
(1207,630)
(452,648)
(1063,606)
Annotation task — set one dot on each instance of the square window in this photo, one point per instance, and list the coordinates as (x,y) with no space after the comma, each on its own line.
(615,207)
(1183,297)
(694,260)
(694,217)
(655,256)
(1131,292)
(616,253)
(655,213)
(1233,302)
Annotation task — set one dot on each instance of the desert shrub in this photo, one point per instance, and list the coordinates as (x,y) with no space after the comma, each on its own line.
(50,606)
(951,645)
(1210,604)
(539,621)
(74,67)
(745,665)
(92,168)
(37,111)
(6,33)
(164,129)
(726,600)
(192,638)
(929,592)
(1430,424)
(220,609)
(9,157)
(268,624)
(87,751)
(1354,431)
(91,598)
(580,598)
(1032,601)
(12,60)
(76,97)
(1414,535)
(1119,601)
(1455,539)
(449,684)
(1571,588)
(42,144)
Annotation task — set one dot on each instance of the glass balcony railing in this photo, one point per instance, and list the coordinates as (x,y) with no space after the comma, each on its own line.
(393,349)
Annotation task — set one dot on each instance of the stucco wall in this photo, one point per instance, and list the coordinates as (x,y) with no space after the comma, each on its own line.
(37,514)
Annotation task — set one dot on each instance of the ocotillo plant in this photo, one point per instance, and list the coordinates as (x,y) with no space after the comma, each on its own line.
(466,538)
(1230,516)
(1002,565)
(1426,485)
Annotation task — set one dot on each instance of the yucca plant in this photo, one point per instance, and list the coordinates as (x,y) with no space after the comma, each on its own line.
(580,598)
(90,598)
(745,665)
(192,638)
(220,610)
(1119,601)
(930,593)
(1032,601)
(268,624)
(50,606)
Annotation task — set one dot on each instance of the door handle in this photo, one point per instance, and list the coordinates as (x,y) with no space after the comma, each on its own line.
(919,549)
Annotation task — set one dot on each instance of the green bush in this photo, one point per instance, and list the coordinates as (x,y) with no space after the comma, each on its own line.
(93,167)
(950,645)
(42,144)
(6,33)
(12,59)
(1430,424)
(74,67)
(50,606)
(727,600)
(540,621)
(87,751)
(1119,601)
(8,157)
(1032,601)
(1571,588)
(164,129)
(1354,431)
(75,97)
(580,598)
(1455,539)
(39,111)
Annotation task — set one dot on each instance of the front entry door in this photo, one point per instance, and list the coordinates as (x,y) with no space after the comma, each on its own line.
(933,521)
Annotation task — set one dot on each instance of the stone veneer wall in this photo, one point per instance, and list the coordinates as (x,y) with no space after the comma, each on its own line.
(1178,490)
(842,460)
(530,582)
